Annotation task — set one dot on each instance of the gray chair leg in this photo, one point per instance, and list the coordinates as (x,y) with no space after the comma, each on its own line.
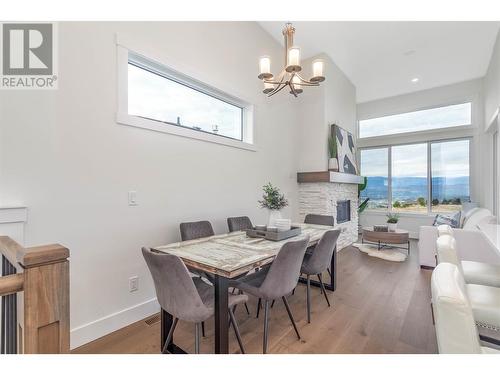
(246,306)
(329,272)
(258,308)
(266,326)
(169,336)
(236,331)
(197,329)
(291,316)
(308,294)
(203,329)
(323,289)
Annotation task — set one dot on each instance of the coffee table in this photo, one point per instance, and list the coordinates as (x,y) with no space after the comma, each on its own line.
(387,239)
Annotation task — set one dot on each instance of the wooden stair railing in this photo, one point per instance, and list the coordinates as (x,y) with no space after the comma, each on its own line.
(39,284)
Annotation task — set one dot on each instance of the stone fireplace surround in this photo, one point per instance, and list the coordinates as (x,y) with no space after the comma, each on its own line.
(321,198)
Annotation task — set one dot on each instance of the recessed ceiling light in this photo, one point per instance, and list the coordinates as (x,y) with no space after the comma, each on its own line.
(414,80)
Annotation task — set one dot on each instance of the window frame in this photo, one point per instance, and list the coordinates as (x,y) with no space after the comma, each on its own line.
(425,131)
(126,56)
(429,173)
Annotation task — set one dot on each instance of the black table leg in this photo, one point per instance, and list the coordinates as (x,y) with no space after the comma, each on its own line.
(333,269)
(221,315)
(166,323)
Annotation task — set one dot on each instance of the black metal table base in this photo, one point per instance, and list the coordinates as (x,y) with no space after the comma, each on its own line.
(381,245)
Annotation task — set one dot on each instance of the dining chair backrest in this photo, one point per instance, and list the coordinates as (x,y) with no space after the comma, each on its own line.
(283,275)
(239,223)
(319,219)
(456,330)
(196,229)
(175,289)
(321,256)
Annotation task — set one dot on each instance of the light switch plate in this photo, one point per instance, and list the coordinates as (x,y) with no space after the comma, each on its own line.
(132,198)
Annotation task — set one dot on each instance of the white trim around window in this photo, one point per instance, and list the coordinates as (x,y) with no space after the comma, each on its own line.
(125,55)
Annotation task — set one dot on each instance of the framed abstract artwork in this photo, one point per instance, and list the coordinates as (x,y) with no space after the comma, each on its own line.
(346,150)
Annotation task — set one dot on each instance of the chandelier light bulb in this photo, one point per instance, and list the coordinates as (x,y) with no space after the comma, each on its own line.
(293,60)
(296,87)
(318,71)
(265,68)
(268,87)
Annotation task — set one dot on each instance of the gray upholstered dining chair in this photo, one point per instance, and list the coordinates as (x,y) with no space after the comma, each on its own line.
(185,298)
(239,223)
(277,281)
(192,231)
(319,219)
(317,262)
(327,220)
(196,229)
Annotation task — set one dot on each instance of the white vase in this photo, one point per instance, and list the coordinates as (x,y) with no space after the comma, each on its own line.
(333,164)
(392,227)
(273,215)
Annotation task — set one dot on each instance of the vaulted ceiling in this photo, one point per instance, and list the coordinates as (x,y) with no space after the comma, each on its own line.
(384,59)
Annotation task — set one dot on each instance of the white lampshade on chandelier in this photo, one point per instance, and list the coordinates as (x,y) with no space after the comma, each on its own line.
(289,76)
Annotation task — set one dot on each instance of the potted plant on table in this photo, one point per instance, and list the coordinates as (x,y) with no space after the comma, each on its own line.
(274,201)
(392,221)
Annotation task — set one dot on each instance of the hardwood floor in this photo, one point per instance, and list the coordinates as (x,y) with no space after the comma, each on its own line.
(379,307)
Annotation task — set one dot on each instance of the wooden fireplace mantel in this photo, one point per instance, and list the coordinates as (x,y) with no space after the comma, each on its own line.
(329,176)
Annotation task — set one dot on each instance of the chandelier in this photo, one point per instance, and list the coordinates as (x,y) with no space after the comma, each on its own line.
(289,76)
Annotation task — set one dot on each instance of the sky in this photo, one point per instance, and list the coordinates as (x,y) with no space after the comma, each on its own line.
(159,98)
(449,159)
(435,118)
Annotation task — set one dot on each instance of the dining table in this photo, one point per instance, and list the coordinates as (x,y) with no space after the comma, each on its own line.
(229,256)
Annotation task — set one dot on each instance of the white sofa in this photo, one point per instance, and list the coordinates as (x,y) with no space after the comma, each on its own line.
(472,244)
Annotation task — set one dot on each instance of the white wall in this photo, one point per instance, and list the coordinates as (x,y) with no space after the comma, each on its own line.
(333,102)
(71,164)
(451,94)
(64,157)
(492,83)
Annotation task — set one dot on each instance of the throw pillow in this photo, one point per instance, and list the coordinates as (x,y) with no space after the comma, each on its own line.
(451,220)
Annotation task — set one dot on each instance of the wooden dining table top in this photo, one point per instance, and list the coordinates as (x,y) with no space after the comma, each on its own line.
(233,254)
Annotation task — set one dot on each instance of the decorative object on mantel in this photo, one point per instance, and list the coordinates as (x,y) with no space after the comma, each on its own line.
(346,149)
(289,76)
(274,201)
(392,221)
(333,164)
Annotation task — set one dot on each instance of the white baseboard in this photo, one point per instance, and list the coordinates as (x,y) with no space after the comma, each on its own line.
(91,331)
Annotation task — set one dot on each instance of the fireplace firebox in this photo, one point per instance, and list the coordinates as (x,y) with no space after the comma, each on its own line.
(343,211)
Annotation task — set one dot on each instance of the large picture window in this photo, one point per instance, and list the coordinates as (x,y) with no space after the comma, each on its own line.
(417,121)
(420,178)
